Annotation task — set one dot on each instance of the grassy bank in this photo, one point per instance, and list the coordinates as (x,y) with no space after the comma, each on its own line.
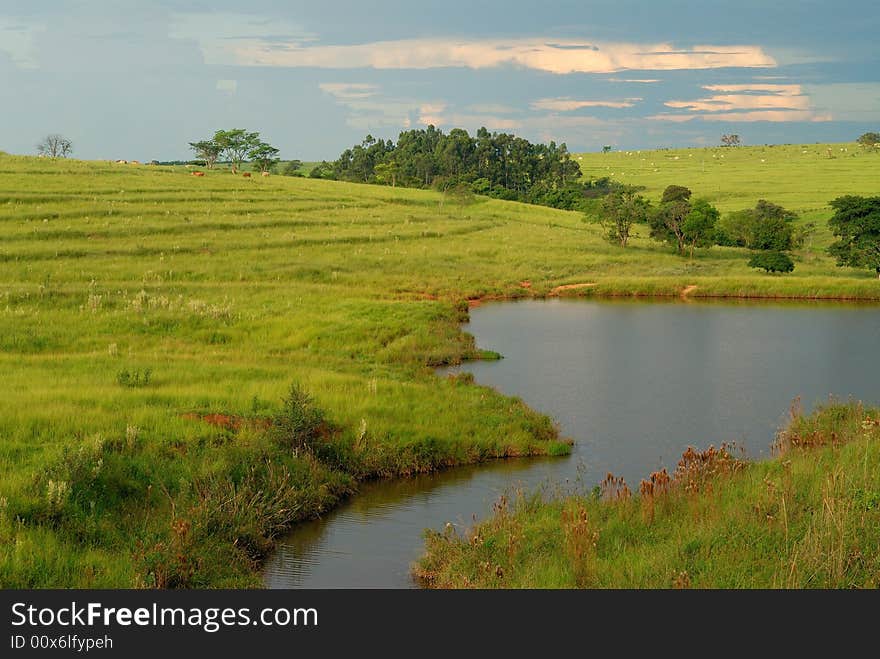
(809,518)
(151,324)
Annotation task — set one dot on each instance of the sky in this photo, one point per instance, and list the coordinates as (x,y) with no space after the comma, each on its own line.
(140,79)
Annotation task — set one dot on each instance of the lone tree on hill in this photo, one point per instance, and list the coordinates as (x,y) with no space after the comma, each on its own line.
(730,140)
(55,146)
(856,222)
(619,211)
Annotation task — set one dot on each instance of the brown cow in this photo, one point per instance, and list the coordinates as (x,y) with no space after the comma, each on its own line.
(246,175)
(198,173)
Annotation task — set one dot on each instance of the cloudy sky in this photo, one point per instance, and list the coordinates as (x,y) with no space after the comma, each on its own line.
(139,79)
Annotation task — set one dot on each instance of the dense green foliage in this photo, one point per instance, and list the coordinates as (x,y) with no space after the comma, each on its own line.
(151,324)
(667,223)
(770,261)
(698,228)
(856,222)
(767,226)
(808,519)
(497,165)
(869,140)
(619,211)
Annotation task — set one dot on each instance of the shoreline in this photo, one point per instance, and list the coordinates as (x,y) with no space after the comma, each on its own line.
(685,296)
(687,293)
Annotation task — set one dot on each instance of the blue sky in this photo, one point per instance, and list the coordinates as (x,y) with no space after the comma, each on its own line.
(140,79)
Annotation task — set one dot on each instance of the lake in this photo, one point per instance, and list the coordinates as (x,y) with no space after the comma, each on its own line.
(632,383)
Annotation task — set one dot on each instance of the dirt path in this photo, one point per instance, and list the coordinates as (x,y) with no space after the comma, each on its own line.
(568,287)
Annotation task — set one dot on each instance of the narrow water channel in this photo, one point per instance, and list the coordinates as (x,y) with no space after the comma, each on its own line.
(633,383)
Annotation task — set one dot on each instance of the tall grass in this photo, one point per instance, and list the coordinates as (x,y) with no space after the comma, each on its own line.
(809,518)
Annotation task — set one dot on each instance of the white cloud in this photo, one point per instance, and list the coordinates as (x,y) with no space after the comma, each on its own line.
(349,91)
(557,57)
(432,114)
(748,102)
(17,41)
(644,81)
(751,116)
(566,104)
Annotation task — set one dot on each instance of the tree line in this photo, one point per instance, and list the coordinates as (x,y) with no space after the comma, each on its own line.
(499,165)
(769,230)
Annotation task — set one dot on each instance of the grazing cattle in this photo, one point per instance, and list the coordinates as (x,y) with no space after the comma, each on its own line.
(198,173)
(135,162)
(265,173)
(247,174)
(121,162)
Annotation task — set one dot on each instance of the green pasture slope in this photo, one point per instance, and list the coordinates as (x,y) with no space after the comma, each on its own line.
(151,323)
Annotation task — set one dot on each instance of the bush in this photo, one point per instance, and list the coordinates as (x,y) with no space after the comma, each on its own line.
(128,378)
(293,168)
(299,422)
(772,262)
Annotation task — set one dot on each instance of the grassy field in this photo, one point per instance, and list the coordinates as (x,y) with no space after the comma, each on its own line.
(151,323)
(808,519)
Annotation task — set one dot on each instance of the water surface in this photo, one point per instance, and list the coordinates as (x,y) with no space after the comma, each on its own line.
(633,383)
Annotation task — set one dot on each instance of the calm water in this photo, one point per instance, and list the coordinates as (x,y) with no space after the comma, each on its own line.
(632,383)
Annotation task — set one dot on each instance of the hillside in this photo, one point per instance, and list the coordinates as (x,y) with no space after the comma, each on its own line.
(151,323)
(796,176)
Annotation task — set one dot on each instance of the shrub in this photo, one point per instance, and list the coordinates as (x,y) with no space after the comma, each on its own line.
(128,378)
(772,262)
(298,423)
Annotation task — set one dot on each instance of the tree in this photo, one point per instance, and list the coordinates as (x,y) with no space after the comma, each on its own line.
(235,144)
(207,150)
(666,223)
(322,170)
(264,156)
(698,227)
(772,262)
(606,148)
(730,140)
(292,168)
(387,172)
(619,211)
(737,228)
(767,226)
(773,228)
(55,146)
(856,222)
(869,140)
(498,165)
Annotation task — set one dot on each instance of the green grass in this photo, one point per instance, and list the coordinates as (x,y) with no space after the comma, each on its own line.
(807,519)
(228,289)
